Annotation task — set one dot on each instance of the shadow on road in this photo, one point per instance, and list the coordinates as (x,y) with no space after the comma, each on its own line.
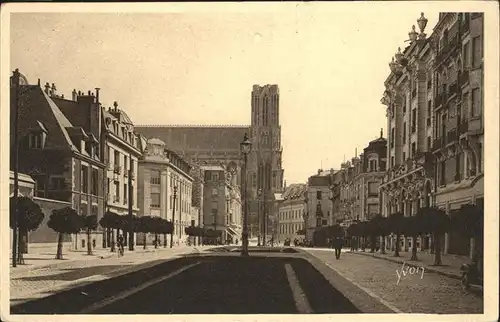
(71,274)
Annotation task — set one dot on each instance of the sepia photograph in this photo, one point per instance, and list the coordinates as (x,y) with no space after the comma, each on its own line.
(250,161)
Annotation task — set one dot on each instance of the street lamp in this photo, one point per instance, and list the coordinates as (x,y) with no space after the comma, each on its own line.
(259,227)
(245,147)
(173,218)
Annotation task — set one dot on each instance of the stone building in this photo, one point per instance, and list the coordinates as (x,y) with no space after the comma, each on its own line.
(434,113)
(318,202)
(63,158)
(162,173)
(291,212)
(121,147)
(222,203)
(220,145)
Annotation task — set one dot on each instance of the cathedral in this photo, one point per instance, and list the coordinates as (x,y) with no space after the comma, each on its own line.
(220,145)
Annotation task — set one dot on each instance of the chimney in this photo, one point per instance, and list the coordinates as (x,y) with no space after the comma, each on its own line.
(97,94)
(89,93)
(115,104)
(79,93)
(62,95)
(47,87)
(381,133)
(39,82)
(74,95)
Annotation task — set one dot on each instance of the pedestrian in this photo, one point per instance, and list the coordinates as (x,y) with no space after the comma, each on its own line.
(120,245)
(338,247)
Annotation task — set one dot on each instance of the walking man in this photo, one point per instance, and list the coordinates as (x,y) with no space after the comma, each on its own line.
(338,246)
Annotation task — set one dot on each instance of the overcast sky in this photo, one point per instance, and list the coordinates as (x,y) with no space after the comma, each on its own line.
(199,68)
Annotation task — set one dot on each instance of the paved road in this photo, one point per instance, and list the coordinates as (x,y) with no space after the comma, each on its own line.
(221,282)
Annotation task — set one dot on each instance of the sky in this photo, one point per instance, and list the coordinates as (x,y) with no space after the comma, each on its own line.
(199,67)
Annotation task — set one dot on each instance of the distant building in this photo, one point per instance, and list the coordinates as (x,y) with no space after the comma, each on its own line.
(222,203)
(291,212)
(161,171)
(319,204)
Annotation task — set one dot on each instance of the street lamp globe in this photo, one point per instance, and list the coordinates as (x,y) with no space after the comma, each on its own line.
(246,145)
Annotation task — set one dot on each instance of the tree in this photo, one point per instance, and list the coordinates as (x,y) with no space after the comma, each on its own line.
(64,221)
(89,223)
(167,227)
(395,223)
(145,226)
(469,221)
(353,231)
(381,228)
(111,221)
(436,222)
(156,228)
(413,226)
(29,218)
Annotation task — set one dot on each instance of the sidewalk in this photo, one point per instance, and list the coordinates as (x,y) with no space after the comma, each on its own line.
(450,268)
(43,280)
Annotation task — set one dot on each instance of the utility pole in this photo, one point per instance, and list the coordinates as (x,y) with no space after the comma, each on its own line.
(173,218)
(130,203)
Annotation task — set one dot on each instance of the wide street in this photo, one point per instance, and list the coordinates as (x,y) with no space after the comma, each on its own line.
(270,281)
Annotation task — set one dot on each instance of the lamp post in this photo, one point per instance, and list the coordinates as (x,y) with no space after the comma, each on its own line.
(245,147)
(173,218)
(130,204)
(259,228)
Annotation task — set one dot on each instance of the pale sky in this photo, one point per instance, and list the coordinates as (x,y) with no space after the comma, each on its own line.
(199,68)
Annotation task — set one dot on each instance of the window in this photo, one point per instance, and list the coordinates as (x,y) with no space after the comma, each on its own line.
(215,176)
(95,182)
(392,161)
(466,55)
(404,132)
(155,200)
(214,216)
(57,183)
(85,179)
(155,177)
(404,104)
(413,120)
(125,165)
(373,165)
(429,112)
(373,188)
(476,103)
(318,195)
(117,158)
(413,149)
(404,156)
(215,192)
(125,194)
(477,54)
(392,110)
(117,192)
(392,138)
(428,143)
(35,141)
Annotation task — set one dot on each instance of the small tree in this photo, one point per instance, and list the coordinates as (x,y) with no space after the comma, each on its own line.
(156,228)
(111,221)
(166,228)
(144,227)
(382,229)
(413,226)
(29,218)
(353,231)
(395,225)
(469,221)
(437,223)
(64,221)
(89,223)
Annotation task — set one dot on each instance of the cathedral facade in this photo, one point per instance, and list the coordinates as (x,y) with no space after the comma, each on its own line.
(220,145)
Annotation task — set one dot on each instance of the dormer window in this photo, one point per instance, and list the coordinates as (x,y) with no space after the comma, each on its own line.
(36,140)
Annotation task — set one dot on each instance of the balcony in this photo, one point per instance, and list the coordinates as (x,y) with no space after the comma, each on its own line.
(447,49)
(439,143)
(463,78)
(441,98)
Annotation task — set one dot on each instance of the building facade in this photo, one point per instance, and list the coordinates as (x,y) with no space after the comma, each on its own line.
(163,181)
(64,159)
(222,203)
(220,145)
(291,212)
(318,201)
(434,113)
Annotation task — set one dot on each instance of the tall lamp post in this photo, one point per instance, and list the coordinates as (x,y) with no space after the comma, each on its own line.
(173,218)
(245,147)
(259,228)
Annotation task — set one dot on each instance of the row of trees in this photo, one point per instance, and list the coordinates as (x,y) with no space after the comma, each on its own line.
(468,221)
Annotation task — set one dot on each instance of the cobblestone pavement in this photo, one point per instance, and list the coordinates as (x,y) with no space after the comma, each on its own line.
(44,280)
(415,293)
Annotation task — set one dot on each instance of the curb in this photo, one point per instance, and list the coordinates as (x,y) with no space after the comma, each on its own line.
(398,261)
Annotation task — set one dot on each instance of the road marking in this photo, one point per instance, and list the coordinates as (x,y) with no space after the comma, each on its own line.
(300,298)
(390,306)
(127,293)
